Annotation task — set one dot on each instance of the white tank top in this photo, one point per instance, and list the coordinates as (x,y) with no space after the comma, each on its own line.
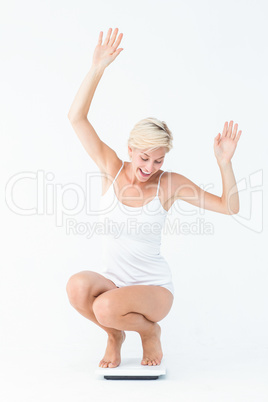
(131,243)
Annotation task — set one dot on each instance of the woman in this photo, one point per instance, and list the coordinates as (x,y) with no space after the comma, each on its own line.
(135,289)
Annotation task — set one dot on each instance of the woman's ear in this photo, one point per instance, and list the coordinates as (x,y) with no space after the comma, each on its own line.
(130,152)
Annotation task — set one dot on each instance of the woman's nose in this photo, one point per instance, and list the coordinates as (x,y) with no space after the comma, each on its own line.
(149,167)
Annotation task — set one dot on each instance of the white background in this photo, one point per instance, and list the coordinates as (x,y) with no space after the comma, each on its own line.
(194,64)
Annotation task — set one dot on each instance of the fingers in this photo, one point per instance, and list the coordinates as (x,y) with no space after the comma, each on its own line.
(225,129)
(110,40)
(235,130)
(107,36)
(229,132)
(116,53)
(238,136)
(113,37)
(217,138)
(118,41)
(100,38)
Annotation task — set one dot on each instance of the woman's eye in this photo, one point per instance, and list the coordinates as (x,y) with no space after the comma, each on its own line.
(147,160)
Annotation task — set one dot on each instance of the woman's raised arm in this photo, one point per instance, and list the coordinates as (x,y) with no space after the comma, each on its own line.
(184,189)
(103,55)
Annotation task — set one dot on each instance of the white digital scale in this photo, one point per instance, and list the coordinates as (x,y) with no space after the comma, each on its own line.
(132,369)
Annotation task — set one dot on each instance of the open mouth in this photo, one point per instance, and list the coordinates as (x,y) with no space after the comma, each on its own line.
(144,174)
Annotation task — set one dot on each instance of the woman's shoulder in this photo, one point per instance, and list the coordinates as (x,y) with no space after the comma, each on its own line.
(170,181)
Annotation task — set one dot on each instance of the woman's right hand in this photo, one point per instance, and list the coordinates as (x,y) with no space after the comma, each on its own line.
(106,53)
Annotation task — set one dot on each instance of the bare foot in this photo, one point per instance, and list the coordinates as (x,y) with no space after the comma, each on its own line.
(152,350)
(112,357)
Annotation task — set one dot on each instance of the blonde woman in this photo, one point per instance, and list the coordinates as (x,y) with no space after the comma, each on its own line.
(135,289)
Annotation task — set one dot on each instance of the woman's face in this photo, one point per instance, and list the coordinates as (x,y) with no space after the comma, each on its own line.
(146,163)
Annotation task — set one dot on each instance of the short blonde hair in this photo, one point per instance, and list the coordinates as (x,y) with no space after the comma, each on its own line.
(150,134)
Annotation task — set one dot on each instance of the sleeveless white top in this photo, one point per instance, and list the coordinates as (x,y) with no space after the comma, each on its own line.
(131,243)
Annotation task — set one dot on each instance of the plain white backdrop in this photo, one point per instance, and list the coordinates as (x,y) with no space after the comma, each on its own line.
(194,64)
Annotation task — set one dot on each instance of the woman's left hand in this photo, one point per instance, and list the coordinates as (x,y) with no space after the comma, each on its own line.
(225,144)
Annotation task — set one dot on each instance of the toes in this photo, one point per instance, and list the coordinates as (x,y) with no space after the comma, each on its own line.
(148,362)
(104,364)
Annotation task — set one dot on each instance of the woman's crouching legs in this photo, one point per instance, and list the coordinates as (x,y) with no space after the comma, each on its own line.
(82,290)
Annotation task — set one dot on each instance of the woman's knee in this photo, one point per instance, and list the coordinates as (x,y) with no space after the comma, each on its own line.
(78,288)
(103,310)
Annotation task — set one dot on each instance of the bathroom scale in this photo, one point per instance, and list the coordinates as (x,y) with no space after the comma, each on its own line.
(132,369)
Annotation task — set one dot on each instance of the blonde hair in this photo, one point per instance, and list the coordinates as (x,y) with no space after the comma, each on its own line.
(150,134)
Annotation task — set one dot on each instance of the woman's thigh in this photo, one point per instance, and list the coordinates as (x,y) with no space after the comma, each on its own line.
(154,302)
(88,283)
